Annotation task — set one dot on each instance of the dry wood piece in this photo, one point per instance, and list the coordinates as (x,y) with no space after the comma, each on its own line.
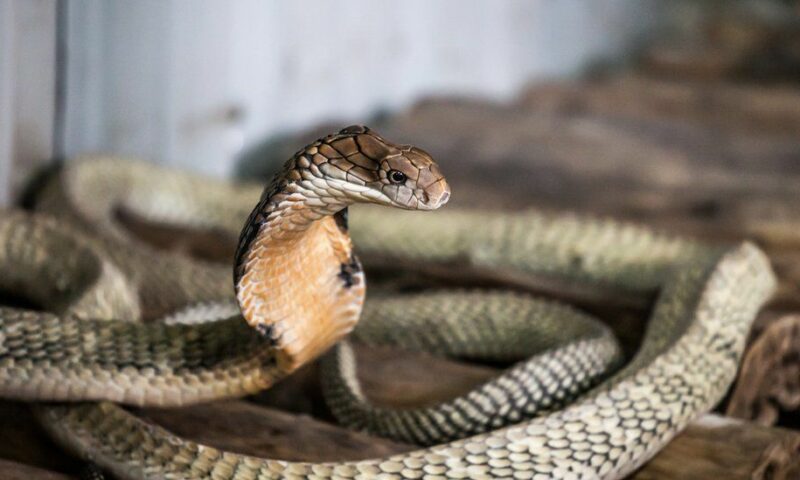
(781,461)
(769,380)
(715,447)
(719,106)
(247,428)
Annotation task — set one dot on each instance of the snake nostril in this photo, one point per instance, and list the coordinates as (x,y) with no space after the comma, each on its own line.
(444,198)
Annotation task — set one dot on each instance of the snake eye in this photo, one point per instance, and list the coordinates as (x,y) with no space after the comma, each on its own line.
(396,176)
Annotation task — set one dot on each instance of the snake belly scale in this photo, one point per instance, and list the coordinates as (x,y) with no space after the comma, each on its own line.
(301,288)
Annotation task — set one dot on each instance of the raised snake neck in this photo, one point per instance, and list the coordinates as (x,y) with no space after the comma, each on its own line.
(707,299)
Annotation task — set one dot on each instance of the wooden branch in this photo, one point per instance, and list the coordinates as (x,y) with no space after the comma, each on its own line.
(769,380)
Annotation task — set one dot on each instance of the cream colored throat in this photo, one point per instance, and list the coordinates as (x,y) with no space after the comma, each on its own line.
(301,287)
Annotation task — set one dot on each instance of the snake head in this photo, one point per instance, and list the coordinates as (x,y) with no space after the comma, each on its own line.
(362,166)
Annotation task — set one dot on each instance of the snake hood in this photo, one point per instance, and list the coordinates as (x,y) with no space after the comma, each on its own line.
(296,278)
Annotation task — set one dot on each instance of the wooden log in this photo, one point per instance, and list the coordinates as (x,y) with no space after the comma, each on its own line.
(780,461)
(750,109)
(769,380)
(248,428)
(736,43)
(720,447)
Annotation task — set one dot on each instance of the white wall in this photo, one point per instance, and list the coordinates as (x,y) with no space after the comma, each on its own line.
(27,91)
(156,79)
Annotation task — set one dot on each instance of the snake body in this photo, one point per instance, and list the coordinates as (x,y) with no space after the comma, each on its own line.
(707,298)
(566,353)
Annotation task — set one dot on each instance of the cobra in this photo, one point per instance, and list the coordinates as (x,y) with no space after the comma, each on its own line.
(300,287)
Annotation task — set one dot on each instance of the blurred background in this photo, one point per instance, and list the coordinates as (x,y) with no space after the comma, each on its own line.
(682,114)
(685,110)
(209,85)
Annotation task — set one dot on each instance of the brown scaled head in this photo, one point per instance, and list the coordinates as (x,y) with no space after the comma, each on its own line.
(363,166)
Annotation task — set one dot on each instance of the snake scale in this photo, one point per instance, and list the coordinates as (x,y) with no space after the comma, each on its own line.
(536,420)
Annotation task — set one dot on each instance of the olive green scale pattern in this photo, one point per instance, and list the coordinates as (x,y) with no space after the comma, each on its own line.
(606,435)
(566,353)
(706,303)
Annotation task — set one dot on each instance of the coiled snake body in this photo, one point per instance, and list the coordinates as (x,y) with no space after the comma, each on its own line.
(301,288)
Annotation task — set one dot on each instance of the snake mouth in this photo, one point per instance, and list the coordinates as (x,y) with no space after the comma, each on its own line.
(434,196)
(437,201)
(431,198)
